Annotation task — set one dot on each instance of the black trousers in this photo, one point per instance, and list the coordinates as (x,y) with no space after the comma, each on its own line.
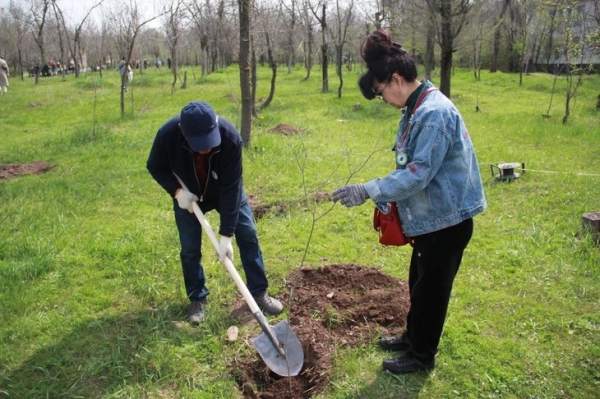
(434,263)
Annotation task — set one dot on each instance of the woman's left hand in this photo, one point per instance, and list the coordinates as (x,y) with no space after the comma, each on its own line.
(352,195)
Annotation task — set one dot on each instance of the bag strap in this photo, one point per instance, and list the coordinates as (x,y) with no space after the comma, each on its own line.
(417,105)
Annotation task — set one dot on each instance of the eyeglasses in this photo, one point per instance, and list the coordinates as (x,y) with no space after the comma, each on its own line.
(378,93)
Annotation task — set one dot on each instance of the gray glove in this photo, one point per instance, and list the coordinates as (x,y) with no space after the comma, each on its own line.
(352,195)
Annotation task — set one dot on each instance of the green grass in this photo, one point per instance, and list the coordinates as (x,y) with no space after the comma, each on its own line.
(92,298)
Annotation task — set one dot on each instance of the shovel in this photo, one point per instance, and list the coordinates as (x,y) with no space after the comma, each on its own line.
(278,346)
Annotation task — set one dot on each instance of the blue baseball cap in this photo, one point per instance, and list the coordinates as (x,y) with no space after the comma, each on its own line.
(200,126)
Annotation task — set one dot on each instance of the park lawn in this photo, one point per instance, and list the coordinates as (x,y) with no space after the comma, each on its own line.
(92,297)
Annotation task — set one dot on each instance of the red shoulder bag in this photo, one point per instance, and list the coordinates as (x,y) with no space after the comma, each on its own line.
(389,227)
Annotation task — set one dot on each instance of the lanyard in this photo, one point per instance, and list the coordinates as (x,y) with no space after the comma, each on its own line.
(419,101)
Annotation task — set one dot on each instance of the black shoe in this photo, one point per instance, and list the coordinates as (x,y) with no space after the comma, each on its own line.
(196,312)
(394,343)
(406,364)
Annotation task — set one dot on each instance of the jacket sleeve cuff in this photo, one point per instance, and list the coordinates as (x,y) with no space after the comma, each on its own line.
(373,190)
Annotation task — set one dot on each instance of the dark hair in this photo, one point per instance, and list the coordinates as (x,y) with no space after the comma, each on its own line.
(383,57)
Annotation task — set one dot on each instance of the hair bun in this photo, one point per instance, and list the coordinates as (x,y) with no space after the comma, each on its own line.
(377,45)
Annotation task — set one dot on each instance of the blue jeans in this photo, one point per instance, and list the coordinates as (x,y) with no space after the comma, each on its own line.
(246,237)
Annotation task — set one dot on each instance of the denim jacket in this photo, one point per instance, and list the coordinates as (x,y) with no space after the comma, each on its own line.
(437,183)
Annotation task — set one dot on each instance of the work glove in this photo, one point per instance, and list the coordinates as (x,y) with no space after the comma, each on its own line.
(225,249)
(352,195)
(185,199)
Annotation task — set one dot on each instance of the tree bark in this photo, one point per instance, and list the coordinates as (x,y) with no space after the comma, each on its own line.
(430,49)
(290,45)
(324,54)
(253,77)
(308,46)
(447,46)
(497,37)
(273,66)
(244,12)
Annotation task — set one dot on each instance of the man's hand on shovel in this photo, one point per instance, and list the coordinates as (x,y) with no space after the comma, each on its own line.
(185,199)
(225,249)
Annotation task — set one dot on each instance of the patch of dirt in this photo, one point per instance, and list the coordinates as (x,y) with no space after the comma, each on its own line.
(287,130)
(332,306)
(279,208)
(231,96)
(13,170)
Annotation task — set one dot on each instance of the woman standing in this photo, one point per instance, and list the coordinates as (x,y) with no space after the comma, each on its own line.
(436,186)
(4,74)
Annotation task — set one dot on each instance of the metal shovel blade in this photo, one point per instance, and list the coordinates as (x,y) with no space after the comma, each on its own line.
(285,366)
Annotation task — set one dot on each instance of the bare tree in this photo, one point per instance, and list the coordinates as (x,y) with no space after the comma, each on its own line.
(453,14)
(14,32)
(343,18)
(322,19)
(429,59)
(128,21)
(75,48)
(245,9)
(497,36)
(268,27)
(309,41)
(573,51)
(477,36)
(215,28)
(39,14)
(175,25)
(290,53)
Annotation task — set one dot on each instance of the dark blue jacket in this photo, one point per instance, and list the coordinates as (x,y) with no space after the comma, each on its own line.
(224,190)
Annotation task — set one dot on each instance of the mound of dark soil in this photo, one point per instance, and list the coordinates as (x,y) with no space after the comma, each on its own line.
(12,170)
(287,130)
(338,305)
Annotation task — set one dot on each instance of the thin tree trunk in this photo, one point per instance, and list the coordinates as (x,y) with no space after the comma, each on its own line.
(338,68)
(497,37)
(245,6)
(429,50)
(309,49)
(273,66)
(447,47)
(253,77)
(324,54)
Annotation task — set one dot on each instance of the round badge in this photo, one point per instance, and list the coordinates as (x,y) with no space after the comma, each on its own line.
(401,158)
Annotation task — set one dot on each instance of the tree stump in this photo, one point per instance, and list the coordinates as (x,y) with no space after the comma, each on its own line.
(591,225)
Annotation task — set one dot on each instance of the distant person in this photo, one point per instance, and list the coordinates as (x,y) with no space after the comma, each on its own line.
(436,186)
(4,75)
(46,70)
(126,73)
(169,62)
(205,151)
